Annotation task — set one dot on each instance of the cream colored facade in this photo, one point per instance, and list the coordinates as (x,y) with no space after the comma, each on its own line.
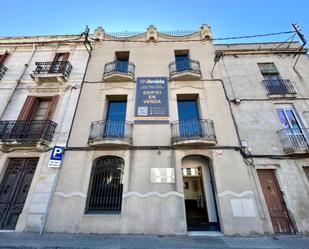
(16,86)
(148,207)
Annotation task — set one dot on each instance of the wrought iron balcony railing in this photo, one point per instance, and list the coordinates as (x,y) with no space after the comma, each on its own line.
(119,67)
(188,65)
(2,70)
(279,86)
(111,130)
(28,131)
(54,67)
(294,140)
(193,129)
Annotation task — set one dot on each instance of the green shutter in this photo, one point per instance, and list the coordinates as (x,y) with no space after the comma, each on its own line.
(268,68)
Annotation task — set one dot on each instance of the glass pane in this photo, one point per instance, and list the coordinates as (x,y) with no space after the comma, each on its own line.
(42,110)
(293,121)
(283,119)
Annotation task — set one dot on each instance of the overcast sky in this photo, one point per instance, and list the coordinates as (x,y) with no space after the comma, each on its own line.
(226,17)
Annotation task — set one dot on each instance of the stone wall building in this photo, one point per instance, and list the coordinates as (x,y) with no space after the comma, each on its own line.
(269,96)
(141,162)
(40,80)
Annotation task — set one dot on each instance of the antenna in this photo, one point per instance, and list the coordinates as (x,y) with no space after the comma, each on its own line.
(86,41)
(297,30)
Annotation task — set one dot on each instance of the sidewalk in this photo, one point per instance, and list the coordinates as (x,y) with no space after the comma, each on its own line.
(83,241)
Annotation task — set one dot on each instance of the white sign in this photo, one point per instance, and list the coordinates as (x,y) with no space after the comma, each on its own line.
(243,207)
(56,157)
(162,175)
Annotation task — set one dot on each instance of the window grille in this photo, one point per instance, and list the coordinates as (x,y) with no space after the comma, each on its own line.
(105,187)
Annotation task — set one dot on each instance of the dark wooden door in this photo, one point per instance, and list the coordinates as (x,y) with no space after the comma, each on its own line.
(275,203)
(14,189)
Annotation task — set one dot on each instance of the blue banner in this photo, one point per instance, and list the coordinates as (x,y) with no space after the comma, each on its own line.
(151,103)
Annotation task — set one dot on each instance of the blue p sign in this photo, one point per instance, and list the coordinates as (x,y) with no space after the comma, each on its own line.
(57,153)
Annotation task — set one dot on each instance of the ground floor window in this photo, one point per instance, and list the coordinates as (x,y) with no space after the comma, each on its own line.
(105,186)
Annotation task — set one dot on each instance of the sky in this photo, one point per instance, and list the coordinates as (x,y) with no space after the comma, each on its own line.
(227,18)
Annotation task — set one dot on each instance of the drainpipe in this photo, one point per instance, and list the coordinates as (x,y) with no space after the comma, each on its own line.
(20,77)
(50,200)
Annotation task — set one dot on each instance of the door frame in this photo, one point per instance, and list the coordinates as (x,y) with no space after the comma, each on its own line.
(213,184)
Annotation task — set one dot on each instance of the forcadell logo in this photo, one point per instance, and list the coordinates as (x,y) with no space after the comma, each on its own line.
(156,81)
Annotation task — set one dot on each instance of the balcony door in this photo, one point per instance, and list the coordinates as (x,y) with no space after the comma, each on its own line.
(189,121)
(294,129)
(122,62)
(182,61)
(115,119)
(58,65)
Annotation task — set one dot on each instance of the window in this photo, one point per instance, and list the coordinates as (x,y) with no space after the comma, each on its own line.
(38,108)
(115,119)
(105,187)
(296,134)
(3,58)
(122,61)
(182,60)
(59,63)
(189,121)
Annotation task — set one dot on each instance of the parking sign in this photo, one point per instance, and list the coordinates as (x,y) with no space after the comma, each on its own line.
(56,157)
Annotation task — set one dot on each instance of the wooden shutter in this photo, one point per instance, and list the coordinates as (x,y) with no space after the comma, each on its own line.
(52,106)
(29,108)
(3,58)
(65,56)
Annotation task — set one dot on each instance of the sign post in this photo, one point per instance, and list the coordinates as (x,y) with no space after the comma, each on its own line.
(151,106)
(56,157)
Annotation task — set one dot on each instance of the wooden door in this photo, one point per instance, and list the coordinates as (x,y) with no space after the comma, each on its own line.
(14,189)
(275,203)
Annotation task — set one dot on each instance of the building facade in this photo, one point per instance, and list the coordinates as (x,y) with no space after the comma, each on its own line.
(164,133)
(267,87)
(153,148)
(39,86)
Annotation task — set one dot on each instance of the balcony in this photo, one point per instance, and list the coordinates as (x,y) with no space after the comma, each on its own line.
(110,133)
(26,133)
(295,141)
(118,71)
(185,70)
(2,70)
(52,72)
(193,132)
(280,88)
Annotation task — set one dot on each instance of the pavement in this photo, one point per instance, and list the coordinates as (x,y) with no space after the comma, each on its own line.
(14,240)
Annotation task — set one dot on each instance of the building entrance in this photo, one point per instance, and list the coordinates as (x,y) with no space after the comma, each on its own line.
(201,211)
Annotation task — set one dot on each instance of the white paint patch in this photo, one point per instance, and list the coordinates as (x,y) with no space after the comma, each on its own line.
(66,195)
(157,194)
(162,175)
(243,207)
(228,192)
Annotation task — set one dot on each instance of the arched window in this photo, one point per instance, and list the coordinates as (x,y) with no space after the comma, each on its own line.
(105,187)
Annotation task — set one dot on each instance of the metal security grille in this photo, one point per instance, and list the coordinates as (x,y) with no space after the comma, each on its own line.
(105,188)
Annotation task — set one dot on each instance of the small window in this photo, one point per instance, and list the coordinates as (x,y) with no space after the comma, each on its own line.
(105,187)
